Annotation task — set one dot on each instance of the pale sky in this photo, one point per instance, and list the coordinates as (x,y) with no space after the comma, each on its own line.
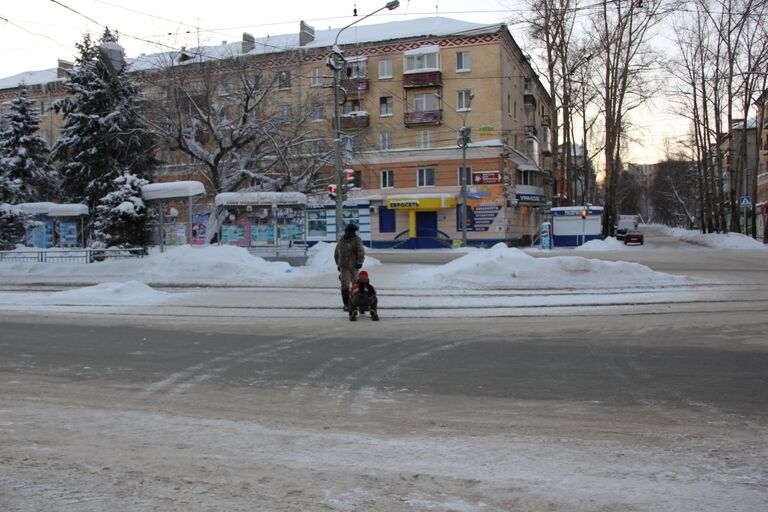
(35,33)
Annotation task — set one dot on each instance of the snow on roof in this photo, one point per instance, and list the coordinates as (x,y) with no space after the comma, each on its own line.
(68,210)
(172,190)
(751,123)
(528,167)
(43,76)
(434,26)
(52,209)
(259,198)
(35,208)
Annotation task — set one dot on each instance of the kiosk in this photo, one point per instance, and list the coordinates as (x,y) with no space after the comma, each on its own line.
(161,193)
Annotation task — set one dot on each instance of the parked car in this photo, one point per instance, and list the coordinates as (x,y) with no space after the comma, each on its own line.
(620,234)
(633,237)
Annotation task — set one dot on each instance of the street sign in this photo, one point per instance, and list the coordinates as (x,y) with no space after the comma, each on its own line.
(486,178)
(745,201)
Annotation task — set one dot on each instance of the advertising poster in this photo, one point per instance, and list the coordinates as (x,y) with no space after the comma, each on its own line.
(68,234)
(199,226)
(232,234)
(262,233)
(483,206)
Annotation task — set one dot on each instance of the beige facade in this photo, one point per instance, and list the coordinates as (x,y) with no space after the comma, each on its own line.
(407,95)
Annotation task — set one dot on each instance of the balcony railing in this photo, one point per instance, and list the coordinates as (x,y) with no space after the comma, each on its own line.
(423,117)
(425,79)
(354,121)
(355,84)
(529,100)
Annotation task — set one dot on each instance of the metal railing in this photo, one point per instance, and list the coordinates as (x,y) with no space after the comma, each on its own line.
(70,256)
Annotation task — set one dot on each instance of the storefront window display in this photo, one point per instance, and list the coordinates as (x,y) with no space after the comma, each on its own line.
(351,217)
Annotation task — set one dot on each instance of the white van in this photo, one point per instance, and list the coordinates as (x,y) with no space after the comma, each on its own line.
(626,223)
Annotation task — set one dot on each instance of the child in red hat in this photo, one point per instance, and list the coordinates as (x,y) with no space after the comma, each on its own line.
(362,296)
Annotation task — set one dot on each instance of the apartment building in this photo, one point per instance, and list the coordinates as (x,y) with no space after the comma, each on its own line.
(761,201)
(408,87)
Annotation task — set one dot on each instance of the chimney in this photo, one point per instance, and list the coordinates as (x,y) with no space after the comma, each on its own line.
(306,34)
(248,43)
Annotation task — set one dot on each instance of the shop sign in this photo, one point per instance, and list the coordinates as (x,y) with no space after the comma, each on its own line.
(530,198)
(486,131)
(486,178)
(404,204)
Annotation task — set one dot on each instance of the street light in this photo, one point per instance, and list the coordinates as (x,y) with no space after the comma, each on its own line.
(336,61)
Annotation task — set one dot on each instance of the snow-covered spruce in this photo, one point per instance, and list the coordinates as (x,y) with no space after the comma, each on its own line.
(122,216)
(25,174)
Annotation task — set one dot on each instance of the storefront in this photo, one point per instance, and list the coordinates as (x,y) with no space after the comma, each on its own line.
(575,225)
(321,220)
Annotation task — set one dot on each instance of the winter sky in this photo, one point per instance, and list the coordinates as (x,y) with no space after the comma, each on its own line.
(35,33)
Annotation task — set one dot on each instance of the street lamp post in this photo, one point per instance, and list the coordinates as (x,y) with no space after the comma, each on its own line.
(336,61)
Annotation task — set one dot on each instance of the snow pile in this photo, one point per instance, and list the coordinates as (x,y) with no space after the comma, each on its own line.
(504,267)
(713,240)
(126,293)
(609,244)
(320,258)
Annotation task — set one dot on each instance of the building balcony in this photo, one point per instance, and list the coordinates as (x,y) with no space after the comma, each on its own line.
(531,131)
(355,84)
(425,79)
(423,117)
(529,100)
(356,121)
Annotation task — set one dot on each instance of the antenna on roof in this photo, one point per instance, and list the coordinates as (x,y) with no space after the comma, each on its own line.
(354,9)
(437,8)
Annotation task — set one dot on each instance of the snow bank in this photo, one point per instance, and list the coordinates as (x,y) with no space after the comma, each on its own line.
(713,240)
(126,293)
(320,258)
(609,244)
(504,267)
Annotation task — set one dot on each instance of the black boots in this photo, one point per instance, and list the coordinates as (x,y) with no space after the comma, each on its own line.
(345,298)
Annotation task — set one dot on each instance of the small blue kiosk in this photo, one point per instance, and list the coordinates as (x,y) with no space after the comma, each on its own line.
(576,225)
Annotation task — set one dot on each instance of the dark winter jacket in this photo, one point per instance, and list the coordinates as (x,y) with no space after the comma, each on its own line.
(350,252)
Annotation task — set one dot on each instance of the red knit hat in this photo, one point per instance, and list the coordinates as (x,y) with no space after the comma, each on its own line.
(363,276)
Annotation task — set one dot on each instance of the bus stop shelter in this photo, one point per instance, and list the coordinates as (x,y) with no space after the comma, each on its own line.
(61,225)
(162,193)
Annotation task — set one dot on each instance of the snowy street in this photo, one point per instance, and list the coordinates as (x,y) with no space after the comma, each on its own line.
(625,380)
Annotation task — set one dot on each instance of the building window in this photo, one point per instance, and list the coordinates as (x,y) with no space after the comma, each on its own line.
(385,68)
(462,62)
(318,112)
(356,68)
(424,61)
(284,114)
(352,106)
(464,100)
(467,175)
(425,177)
(425,102)
(284,79)
(388,178)
(385,141)
(386,105)
(316,77)
(423,139)
(387,220)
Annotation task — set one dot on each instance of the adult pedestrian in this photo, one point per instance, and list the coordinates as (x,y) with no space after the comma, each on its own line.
(349,256)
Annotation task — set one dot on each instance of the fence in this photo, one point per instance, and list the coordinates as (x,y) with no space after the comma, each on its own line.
(75,256)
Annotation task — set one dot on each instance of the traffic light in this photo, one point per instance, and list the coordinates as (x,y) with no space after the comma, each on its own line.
(332,192)
(583,214)
(349,179)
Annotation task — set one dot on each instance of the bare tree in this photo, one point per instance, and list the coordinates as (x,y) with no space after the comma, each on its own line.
(622,30)
(239,124)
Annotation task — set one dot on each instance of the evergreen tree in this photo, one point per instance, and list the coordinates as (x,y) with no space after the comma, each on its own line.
(12,222)
(103,136)
(122,216)
(25,175)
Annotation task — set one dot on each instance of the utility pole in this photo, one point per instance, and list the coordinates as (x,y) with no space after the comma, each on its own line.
(336,62)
